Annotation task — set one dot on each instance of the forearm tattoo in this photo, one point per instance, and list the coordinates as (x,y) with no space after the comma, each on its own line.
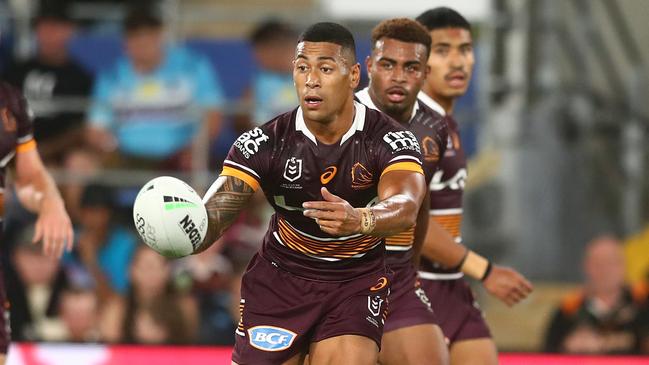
(224,205)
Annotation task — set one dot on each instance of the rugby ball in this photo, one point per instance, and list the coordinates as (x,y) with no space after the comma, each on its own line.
(170,217)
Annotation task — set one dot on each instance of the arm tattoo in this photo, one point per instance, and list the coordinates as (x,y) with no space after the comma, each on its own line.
(223,207)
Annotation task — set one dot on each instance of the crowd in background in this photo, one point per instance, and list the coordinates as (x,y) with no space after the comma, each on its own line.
(155,110)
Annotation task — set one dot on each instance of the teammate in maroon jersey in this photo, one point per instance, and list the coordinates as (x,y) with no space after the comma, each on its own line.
(444,263)
(397,70)
(340,177)
(36,189)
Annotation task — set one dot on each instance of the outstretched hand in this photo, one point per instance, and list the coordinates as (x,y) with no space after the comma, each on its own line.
(334,214)
(507,285)
(54,228)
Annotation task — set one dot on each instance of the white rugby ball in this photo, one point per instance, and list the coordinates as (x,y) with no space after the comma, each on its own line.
(170,216)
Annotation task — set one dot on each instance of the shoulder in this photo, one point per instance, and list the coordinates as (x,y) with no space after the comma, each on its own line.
(377,122)
(572,302)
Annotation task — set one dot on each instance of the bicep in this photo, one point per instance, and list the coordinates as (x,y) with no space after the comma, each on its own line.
(28,165)
(408,183)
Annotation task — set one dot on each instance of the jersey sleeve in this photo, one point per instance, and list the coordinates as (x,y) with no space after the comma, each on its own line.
(19,109)
(399,150)
(249,157)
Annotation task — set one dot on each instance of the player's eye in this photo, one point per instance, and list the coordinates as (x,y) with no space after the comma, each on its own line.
(301,68)
(442,51)
(412,68)
(386,65)
(466,49)
(326,69)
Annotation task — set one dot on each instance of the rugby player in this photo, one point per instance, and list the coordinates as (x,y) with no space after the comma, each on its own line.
(444,264)
(34,186)
(340,177)
(397,70)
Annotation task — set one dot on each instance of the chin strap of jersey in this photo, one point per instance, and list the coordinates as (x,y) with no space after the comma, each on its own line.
(475,265)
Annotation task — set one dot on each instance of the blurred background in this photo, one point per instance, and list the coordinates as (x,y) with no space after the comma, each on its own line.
(555,124)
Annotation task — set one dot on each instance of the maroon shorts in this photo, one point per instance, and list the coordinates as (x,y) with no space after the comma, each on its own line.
(409,305)
(5,329)
(281,313)
(459,314)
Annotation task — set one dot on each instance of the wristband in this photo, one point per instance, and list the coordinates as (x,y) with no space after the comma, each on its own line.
(368,220)
(487,272)
(476,266)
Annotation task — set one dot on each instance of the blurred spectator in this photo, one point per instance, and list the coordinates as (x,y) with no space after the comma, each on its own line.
(607,316)
(79,313)
(155,102)
(151,285)
(154,325)
(34,290)
(105,248)
(54,84)
(209,274)
(272,91)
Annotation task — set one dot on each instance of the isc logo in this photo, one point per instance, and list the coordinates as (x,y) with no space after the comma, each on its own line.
(270,338)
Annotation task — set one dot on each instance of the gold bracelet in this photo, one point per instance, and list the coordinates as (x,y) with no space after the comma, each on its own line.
(368,220)
(475,265)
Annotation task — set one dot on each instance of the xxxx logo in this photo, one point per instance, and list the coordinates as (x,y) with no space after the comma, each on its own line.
(329,174)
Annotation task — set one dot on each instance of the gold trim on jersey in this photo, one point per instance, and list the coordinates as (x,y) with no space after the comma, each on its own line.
(248,179)
(339,248)
(450,222)
(401,239)
(26,146)
(403,166)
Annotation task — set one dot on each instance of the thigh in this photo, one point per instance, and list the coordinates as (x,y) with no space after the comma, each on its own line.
(480,351)
(345,349)
(276,320)
(459,315)
(296,360)
(409,305)
(358,308)
(416,345)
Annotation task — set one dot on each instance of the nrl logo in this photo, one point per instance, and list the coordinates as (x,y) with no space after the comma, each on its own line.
(293,169)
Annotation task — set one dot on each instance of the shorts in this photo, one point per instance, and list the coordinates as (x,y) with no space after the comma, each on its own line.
(282,314)
(409,305)
(459,314)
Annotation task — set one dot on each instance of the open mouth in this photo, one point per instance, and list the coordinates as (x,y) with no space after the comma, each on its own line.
(396,94)
(312,101)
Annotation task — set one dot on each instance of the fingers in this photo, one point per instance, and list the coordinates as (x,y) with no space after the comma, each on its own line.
(322,205)
(69,238)
(38,232)
(329,196)
(325,214)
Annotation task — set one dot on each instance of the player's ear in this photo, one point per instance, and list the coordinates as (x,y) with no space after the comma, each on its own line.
(368,63)
(355,78)
(426,71)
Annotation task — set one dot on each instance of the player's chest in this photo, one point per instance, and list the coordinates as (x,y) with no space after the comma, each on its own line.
(301,169)
(451,173)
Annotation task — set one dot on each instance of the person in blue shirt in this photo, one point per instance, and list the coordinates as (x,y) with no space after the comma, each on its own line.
(271,91)
(156,102)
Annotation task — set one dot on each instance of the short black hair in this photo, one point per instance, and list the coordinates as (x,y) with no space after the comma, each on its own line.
(330,33)
(443,17)
(54,10)
(140,17)
(404,30)
(270,31)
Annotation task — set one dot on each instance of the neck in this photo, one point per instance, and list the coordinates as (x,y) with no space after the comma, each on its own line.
(145,67)
(332,131)
(53,58)
(402,117)
(608,297)
(446,103)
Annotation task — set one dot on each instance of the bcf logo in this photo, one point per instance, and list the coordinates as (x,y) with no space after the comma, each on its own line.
(270,338)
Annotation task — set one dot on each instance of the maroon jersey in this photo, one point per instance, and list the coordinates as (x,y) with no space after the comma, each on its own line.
(446,190)
(284,158)
(16,130)
(431,130)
